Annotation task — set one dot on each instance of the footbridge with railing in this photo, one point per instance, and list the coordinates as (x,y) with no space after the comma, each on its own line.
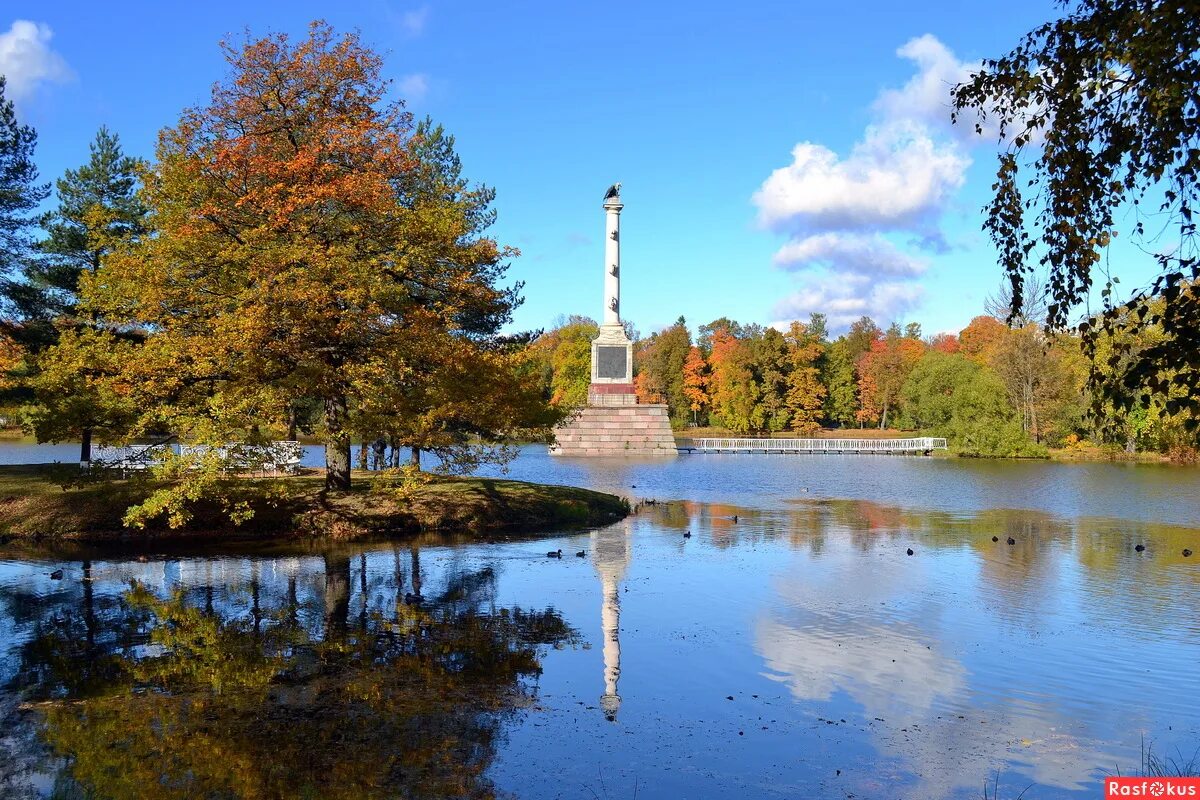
(923,445)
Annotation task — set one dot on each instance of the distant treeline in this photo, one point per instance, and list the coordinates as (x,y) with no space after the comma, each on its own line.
(992,389)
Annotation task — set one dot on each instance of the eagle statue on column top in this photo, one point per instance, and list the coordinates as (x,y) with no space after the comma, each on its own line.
(613,191)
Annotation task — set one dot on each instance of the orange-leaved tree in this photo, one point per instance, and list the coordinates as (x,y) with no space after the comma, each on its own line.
(308,235)
(695,382)
(982,337)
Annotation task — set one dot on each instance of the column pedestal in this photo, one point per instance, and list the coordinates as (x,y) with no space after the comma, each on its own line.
(616,426)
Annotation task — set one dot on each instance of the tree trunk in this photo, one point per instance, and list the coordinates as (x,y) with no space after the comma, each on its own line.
(89,608)
(362,592)
(416,570)
(337,593)
(337,445)
(293,603)
(255,607)
(363,456)
(414,458)
(85,449)
(291,431)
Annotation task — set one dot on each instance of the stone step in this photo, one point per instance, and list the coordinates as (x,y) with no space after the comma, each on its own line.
(619,429)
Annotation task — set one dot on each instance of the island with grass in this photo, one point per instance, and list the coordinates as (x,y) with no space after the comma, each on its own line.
(48,504)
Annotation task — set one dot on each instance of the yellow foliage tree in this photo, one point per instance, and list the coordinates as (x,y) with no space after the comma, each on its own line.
(311,241)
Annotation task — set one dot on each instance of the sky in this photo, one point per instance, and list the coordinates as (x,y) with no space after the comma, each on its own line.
(776,158)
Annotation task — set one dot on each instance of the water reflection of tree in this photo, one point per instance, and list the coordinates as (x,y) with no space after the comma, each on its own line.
(174,700)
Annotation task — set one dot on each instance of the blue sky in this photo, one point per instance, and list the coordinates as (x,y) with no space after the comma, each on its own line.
(777,158)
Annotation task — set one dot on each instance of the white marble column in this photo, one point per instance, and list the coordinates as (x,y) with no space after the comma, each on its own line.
(612,261)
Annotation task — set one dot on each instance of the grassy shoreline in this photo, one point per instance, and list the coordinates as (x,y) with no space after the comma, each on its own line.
(34,508)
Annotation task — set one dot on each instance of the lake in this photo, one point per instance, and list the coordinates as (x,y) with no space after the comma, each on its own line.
(789,647)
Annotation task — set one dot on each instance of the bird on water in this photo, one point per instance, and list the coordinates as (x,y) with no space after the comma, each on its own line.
(995,538)
(1140,548)
(56,575)
(1011,540)
(910,551)
(1187,553)
(581,554)
(554,553)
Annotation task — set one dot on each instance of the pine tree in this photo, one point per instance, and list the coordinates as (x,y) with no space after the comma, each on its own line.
(20,194)
(98,208)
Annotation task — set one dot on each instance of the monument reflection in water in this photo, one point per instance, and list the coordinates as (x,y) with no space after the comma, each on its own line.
(610,554)
(286,677)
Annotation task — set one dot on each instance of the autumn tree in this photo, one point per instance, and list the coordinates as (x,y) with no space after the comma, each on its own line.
(565,356)
(980,339)
(805,392)
(771,366)
(706,333)
(306,240)
(1150,423)
(695,382)
(861,337)
(883,371)
(458,399)
(732,387)
(944,343)
(1096,116)
(660,360)
(461,390)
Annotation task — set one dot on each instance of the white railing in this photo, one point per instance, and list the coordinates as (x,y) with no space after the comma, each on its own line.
(921,444)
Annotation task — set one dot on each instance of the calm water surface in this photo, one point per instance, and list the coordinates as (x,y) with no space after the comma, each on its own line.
(795,651)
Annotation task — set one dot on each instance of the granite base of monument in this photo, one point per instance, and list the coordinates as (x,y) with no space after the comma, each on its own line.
(614,424)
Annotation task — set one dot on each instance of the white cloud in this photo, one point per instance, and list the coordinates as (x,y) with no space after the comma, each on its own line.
(860,255)
(926,97)
(896,178)
(413,22)
(845,298)
(413,88)
(26,60)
